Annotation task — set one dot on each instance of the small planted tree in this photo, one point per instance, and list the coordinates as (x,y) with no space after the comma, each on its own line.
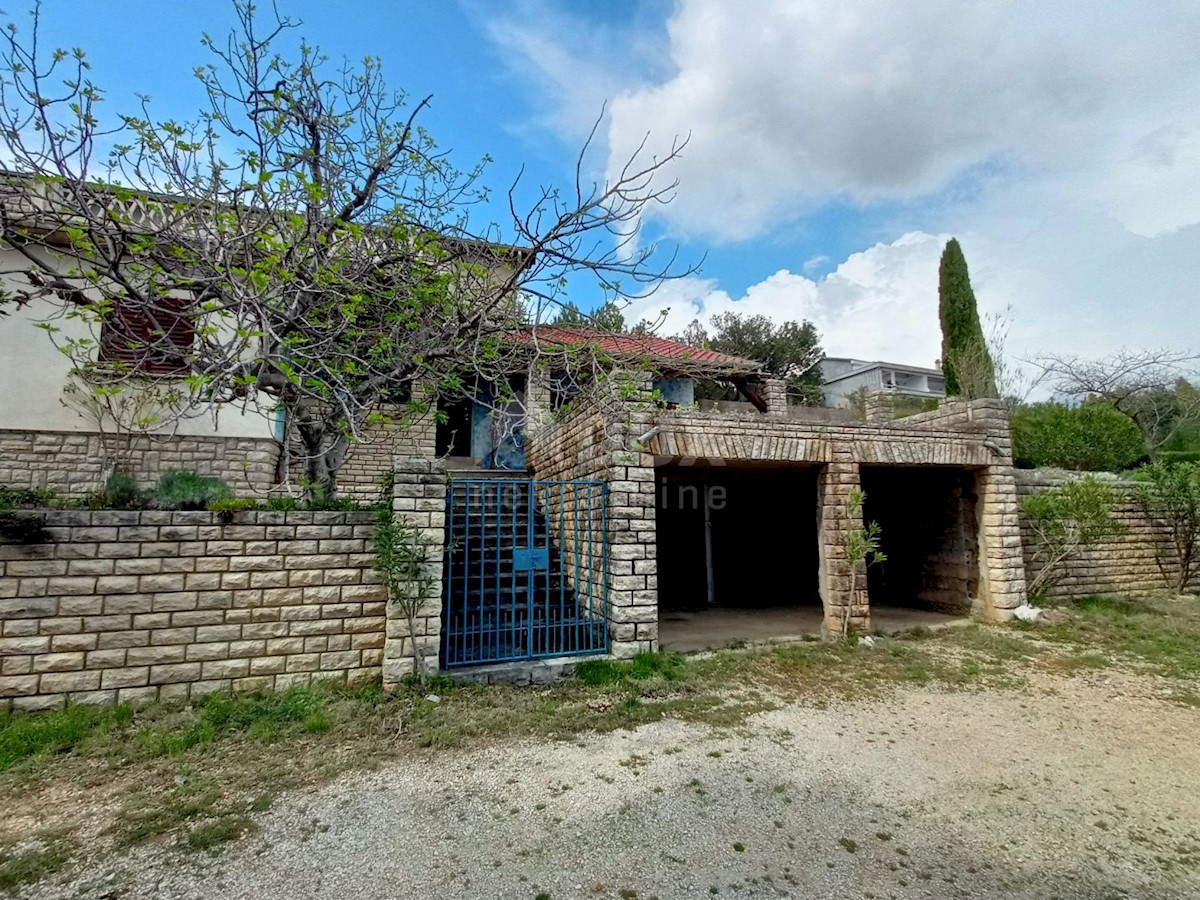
(1065,520)
(1170,495)
(403,556)
(862,546)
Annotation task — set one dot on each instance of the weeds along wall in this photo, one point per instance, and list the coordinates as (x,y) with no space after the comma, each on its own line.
(137,606)
(1138,559)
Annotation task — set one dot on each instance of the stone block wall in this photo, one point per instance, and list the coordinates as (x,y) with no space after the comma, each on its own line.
(1139,559)
(403,435)
(420,498)
(602,444)
(75,464)
(137,606)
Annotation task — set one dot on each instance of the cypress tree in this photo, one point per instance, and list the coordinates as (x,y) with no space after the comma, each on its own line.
(966,362)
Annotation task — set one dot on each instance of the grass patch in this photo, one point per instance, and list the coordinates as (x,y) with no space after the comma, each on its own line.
(644,666)
(61,731)
(167,731)
(1160,634)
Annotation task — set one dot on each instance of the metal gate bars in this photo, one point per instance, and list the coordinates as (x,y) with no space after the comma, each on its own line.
(526,572)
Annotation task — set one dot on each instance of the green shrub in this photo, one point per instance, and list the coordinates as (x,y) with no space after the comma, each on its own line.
(1178,456)
(16,498)
(903,407)
(336,504)
(187,490)
(1063,521)
(1090,438)
(1170,495)
(121,491)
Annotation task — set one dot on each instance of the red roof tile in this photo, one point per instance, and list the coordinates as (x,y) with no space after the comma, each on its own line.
(641,346)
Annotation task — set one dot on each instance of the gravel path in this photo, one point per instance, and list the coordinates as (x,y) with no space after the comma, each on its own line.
(1082,787)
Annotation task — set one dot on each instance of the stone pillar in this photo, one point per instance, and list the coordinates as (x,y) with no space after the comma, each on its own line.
(1001,559)
(834,485)
(775,395)
(420,497)
(632,546)
(1001,556)
(880,407)
(537,399)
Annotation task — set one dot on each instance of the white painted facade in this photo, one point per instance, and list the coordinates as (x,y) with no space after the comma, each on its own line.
(36,374)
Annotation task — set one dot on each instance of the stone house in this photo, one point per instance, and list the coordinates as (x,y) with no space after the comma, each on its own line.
(734,519)
(563,522)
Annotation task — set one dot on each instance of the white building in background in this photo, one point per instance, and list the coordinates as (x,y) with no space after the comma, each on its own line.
(842,376)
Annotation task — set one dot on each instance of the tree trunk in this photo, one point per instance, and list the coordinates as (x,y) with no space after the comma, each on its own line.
(320,481)
(1185,554)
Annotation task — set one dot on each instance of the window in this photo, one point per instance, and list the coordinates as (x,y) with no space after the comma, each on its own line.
(149,338)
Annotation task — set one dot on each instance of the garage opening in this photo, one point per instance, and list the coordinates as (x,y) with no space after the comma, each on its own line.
(928,533)
(737,555)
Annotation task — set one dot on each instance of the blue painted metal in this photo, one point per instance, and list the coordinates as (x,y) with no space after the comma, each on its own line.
(526,570)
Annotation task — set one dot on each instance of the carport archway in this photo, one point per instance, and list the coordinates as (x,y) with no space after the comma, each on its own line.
(737,554)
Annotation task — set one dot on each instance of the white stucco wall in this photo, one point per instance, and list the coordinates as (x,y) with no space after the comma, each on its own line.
(34,374)
(837,393)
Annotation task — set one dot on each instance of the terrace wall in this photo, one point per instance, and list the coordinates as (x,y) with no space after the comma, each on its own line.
(137,606)
(1138,559)
(75,464)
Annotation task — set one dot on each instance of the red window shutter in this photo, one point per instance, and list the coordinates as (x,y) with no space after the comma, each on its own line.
(150,338)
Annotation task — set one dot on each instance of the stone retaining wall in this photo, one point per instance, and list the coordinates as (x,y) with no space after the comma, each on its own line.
(1139,559)
(136,606)
(420,499)
(75,464)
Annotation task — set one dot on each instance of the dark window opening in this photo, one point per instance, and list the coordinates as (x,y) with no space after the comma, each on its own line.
(454,427)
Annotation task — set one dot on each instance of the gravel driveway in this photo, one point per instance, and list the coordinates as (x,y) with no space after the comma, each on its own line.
(1072,787)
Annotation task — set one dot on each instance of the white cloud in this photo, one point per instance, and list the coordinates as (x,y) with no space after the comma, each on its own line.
(1059,142)
(879,304)
(792,104)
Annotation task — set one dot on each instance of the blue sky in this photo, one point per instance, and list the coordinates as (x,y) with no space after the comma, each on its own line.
(833,148)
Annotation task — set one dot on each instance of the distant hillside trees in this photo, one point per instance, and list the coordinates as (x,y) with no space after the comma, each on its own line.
(791,351)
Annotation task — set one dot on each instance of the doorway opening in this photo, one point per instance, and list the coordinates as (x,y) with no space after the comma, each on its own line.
(928,534)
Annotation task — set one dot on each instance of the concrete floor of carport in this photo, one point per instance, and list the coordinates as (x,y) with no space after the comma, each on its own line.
(690,631)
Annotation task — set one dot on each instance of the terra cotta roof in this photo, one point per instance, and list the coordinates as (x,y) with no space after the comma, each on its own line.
(671,354)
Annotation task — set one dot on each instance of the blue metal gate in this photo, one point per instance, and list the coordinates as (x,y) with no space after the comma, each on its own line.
(526,572)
